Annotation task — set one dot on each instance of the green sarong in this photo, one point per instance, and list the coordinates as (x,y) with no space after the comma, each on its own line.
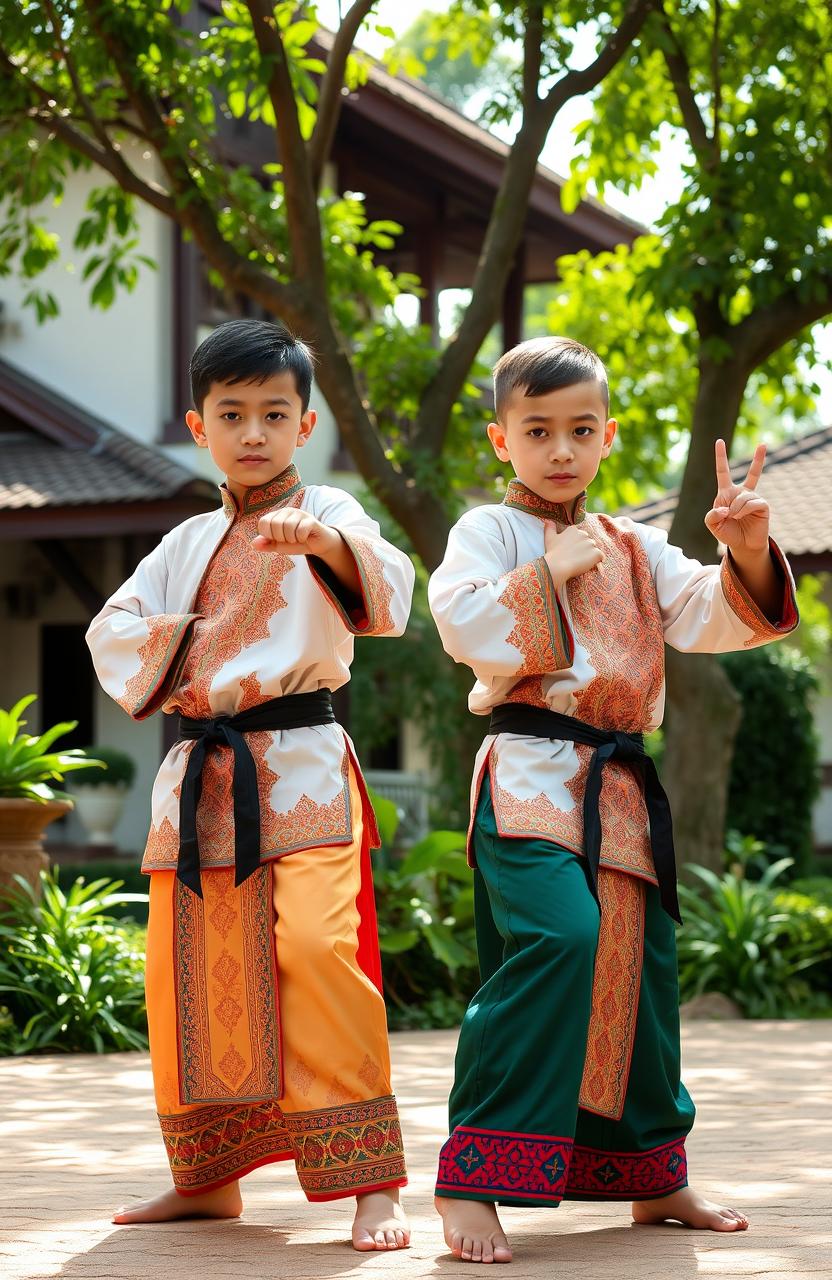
(518,1133)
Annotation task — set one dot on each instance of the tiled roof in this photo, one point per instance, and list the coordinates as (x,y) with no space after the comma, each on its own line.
(39,473)
(55,454)
(797,481)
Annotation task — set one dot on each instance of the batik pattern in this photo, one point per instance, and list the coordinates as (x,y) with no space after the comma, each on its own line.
(348,1150)
(749,613)
(228,1022)
(213,1145)
(615,994)
(162,658)
(512,1166)
(627,1175)
(540,632)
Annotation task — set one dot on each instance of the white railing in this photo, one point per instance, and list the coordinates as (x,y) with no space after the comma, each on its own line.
(409,793)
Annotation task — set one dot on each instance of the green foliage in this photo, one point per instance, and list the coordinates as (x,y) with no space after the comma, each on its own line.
(71,979)
(813,638)
(27,765)
(119,767)
(609,301)
(129,874)
(774,772)
(753,943)
(454,55)
(425,905)
(413,675)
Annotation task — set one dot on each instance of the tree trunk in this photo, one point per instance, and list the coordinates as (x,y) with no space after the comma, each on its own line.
(703,709)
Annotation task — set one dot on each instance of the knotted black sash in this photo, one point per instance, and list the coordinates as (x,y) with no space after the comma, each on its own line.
(539,722)
(295,711)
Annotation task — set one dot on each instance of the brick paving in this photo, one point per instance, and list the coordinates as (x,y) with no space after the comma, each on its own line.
(78,1136)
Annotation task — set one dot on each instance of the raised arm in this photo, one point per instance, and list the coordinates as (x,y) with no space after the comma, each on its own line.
(500,621)
(139,650)
(745,601)
(367,580)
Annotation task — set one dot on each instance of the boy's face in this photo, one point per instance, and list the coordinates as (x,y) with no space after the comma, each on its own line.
(555,442)
(252,429)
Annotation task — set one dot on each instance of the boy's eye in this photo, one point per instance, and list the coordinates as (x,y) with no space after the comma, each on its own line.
(579,431)
(537,433)
(231,415)
(275,415)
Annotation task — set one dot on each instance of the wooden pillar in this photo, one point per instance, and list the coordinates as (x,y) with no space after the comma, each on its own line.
(185,309)
(429,257)
(512,317)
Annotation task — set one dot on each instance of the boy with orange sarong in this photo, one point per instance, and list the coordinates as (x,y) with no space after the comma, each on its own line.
(567,1078)
(268,1032)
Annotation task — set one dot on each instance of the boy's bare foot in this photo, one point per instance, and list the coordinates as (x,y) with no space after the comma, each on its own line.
(380,1222)
(225,1202)
(692,1209)
(472,1230)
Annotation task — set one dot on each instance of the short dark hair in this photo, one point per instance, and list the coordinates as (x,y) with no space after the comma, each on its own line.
(250,351)
(542,365)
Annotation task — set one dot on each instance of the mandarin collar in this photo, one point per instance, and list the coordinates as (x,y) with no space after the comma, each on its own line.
(260,496)
(523,499)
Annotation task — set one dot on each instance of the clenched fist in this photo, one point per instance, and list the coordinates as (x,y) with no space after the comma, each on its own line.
(291,532)
(570,553)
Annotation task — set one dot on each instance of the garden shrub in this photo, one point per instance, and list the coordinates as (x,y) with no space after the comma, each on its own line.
(753,943)
(71,978)
(775,770)
(129,875)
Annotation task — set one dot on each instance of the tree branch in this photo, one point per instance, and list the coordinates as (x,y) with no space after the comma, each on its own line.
(331,96)
(532,54)
(302,217)
(767,328)
(505,230)
(679,71)
(575,83)
(51,120)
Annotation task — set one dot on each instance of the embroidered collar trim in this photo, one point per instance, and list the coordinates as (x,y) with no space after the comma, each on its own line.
(262,496)
(517,495)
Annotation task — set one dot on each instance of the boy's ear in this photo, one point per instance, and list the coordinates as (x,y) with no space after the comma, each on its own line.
(197,428)
(307,426)
(497,436)
(609,435)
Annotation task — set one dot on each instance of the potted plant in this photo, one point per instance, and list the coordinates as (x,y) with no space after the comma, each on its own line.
(99,794)
(28,801)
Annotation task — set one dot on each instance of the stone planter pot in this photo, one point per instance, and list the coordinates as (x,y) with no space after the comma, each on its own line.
(99,809)
(22,824)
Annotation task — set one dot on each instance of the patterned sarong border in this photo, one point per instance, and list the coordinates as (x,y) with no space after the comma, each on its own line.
(504,1165)
(255,972)
(211,1146)
(627,1175)
(615,993)
(344,1150)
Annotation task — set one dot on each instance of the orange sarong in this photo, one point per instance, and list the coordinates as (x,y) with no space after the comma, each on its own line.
(268,1031)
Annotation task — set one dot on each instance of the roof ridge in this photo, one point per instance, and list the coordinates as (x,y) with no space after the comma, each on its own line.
(784,452)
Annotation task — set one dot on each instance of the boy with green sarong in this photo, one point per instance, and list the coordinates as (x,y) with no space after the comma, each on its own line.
(567,1071)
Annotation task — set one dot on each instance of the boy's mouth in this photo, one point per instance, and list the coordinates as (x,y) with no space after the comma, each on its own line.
(561,476)
(252,457)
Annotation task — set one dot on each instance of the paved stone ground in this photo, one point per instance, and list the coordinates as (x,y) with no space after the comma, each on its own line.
(78,1136)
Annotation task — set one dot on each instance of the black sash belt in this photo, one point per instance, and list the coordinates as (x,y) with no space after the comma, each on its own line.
(295,711)
(539,722)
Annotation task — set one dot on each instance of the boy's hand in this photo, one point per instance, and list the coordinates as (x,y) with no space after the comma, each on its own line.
(739,517)
(570,553)
(291,532)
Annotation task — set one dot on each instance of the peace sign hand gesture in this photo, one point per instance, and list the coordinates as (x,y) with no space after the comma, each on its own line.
(739,517)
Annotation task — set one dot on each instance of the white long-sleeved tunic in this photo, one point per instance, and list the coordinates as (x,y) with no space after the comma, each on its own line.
(593,649)
(208,626)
